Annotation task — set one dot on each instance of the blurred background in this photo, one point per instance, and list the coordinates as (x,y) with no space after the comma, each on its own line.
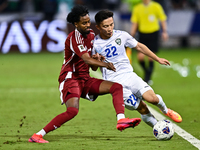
(40,25)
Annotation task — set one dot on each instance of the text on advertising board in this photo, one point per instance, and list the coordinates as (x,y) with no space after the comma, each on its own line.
(28,36)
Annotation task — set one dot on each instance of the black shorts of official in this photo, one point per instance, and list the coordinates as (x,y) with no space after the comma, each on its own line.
(151,40)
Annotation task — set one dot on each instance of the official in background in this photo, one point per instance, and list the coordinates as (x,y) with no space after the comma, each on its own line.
(146,18)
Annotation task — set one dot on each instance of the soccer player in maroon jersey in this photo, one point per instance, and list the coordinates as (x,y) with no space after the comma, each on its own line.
(75,81)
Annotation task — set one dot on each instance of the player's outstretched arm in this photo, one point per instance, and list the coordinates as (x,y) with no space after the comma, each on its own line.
(99,58)
(95,56)
(95,63)
(145,50)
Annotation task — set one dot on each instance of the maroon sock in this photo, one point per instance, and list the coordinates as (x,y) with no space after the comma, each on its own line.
(61,119)
(117,94)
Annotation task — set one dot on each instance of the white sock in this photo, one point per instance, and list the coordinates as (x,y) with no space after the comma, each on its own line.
(149,119)
(42,132)
(120,116)
(161,104)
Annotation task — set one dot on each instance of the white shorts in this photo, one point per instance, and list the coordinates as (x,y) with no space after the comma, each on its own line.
(133,89)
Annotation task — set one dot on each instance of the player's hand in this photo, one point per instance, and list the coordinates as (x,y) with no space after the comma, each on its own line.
(98,57)
(102,58)
(110,66)
(163,61)
(165,36)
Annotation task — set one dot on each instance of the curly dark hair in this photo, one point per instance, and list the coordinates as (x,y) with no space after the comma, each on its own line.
(102,15)
(77,12)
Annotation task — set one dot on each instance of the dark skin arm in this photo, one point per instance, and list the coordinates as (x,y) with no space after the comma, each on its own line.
(96,63)
(94,68)
(99,58)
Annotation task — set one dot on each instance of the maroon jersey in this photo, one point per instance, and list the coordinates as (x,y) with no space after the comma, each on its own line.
(75,46)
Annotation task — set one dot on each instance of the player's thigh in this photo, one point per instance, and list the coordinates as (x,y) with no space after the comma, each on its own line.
(69,89)
(135,84)
(105,86)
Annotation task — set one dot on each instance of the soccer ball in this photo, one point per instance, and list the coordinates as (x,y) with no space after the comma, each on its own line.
(163,130)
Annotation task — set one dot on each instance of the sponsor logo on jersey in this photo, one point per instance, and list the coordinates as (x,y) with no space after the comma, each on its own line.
(118,41)
(81,48)
(109,45)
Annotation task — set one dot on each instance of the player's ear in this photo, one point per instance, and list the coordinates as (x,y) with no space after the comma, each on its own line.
(76,24)
(97,27)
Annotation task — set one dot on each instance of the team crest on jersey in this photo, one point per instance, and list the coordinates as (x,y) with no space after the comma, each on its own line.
(98,49)
(118,41)
(81,48)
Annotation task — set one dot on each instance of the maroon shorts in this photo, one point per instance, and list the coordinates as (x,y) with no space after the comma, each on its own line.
(88,89)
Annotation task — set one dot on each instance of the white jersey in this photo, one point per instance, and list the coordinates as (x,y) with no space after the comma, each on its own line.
(113,49)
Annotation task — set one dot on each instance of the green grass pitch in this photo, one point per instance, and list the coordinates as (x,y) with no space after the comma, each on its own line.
(29,99)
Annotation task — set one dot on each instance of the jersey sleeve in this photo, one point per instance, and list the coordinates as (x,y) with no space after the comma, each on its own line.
(161,13)
(97,45)
(130,41)
(76,45)
(134,16)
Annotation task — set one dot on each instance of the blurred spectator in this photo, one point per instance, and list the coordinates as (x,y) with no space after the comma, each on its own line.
(130,4)
(28,6)
(80,2)
(64,7)
(10,6)
(49,8)
(163,3)
(94,4)
(178,4)
(112,4)
(185,4)
(3,5)
(38,5)
(102,4)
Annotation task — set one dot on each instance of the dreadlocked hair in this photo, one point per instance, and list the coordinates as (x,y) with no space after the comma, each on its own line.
(77,12)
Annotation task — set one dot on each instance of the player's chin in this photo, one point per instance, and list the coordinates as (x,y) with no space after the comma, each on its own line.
(109,35)
(87,31)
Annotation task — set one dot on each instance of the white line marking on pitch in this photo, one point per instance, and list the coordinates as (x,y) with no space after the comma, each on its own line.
(182,133)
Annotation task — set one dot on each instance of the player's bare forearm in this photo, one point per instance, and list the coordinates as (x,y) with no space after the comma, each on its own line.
(145,50)
(95,56)
(95,63)
(99,58)
(164,30)
(134,27)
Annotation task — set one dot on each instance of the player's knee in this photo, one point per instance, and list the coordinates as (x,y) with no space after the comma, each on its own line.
(72,112)
(116,87)
(151,98)
(154,99)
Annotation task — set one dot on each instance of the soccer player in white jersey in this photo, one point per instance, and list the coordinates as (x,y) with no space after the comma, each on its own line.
(110,45)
